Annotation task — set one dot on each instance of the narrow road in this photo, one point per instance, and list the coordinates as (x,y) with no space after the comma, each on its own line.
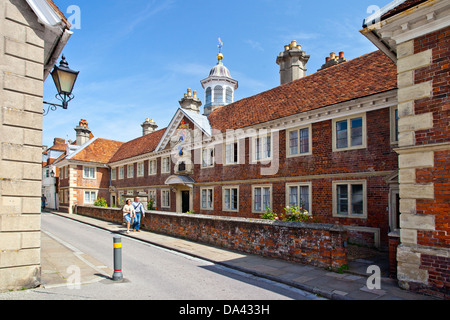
(154,273)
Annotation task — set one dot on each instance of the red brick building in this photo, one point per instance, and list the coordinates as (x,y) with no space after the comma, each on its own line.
(362,143)
(415,34)
(315,141)
(84,173)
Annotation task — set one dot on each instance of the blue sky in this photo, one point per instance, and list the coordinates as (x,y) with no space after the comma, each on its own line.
(137,58)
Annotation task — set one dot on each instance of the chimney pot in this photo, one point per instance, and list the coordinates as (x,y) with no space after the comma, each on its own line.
(327,59)
(341,54)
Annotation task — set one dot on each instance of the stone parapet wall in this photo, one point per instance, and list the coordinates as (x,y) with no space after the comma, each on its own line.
(320,245)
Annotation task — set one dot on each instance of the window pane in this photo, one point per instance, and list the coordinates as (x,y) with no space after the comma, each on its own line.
(203,199)
(228,154)
(257,148)
(235,152)
(357,199)
(304,140)
(341,134)
(86,197)
(218,94)
(356,132)
(293,196)
(86,172)
(210,198)
(266,199)
(267,147)
(211,157)
(396,125)
(234,199)
(229,94)
(293,142)
(227,199)
(342,199)
(304,197)
(204,157)
(208,95)
(257,200)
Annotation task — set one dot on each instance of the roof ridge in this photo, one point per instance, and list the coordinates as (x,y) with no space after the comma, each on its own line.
(297,80)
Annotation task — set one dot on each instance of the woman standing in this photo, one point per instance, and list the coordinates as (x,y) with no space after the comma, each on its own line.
(128,214)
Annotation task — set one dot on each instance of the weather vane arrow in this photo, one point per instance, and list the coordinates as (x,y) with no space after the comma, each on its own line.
(220,45)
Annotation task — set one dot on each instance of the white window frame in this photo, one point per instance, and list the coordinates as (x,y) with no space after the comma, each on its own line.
(229,147)
(152,167)
(121,173)
(210,158)
(92,173)
(349,183)
(90,192)
(113,173)
(288,142)
(165,165)
(299,184)
(165,195)
(140,169)
(130,170)
(263,187)
(152,194)
(224,203)
(208,192)
(349,137)
(259,143)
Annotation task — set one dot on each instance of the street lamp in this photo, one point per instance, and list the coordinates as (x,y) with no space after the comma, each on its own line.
(64,79)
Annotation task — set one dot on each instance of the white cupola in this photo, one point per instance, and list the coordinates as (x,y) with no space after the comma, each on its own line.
(219,86)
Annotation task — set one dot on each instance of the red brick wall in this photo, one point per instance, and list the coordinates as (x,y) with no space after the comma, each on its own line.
(439,73)
(314,244)
(439,104)
(438,275)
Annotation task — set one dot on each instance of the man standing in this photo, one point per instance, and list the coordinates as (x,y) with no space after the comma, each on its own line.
(140,212)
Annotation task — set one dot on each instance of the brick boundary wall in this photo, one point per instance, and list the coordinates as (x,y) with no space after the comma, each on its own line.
(320,245)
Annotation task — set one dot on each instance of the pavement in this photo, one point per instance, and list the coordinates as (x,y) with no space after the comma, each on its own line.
(57,256)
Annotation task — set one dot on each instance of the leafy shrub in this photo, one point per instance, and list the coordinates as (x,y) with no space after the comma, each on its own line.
(100,202)
(269,215)
(297,214)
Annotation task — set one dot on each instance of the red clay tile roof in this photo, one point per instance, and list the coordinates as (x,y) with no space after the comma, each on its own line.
(99,151)
(59,145)
(363,76)
(141,145)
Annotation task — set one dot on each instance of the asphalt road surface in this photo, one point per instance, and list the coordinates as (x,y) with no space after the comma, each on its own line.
(152,273)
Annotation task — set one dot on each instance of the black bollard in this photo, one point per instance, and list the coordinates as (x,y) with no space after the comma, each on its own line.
(117,276)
